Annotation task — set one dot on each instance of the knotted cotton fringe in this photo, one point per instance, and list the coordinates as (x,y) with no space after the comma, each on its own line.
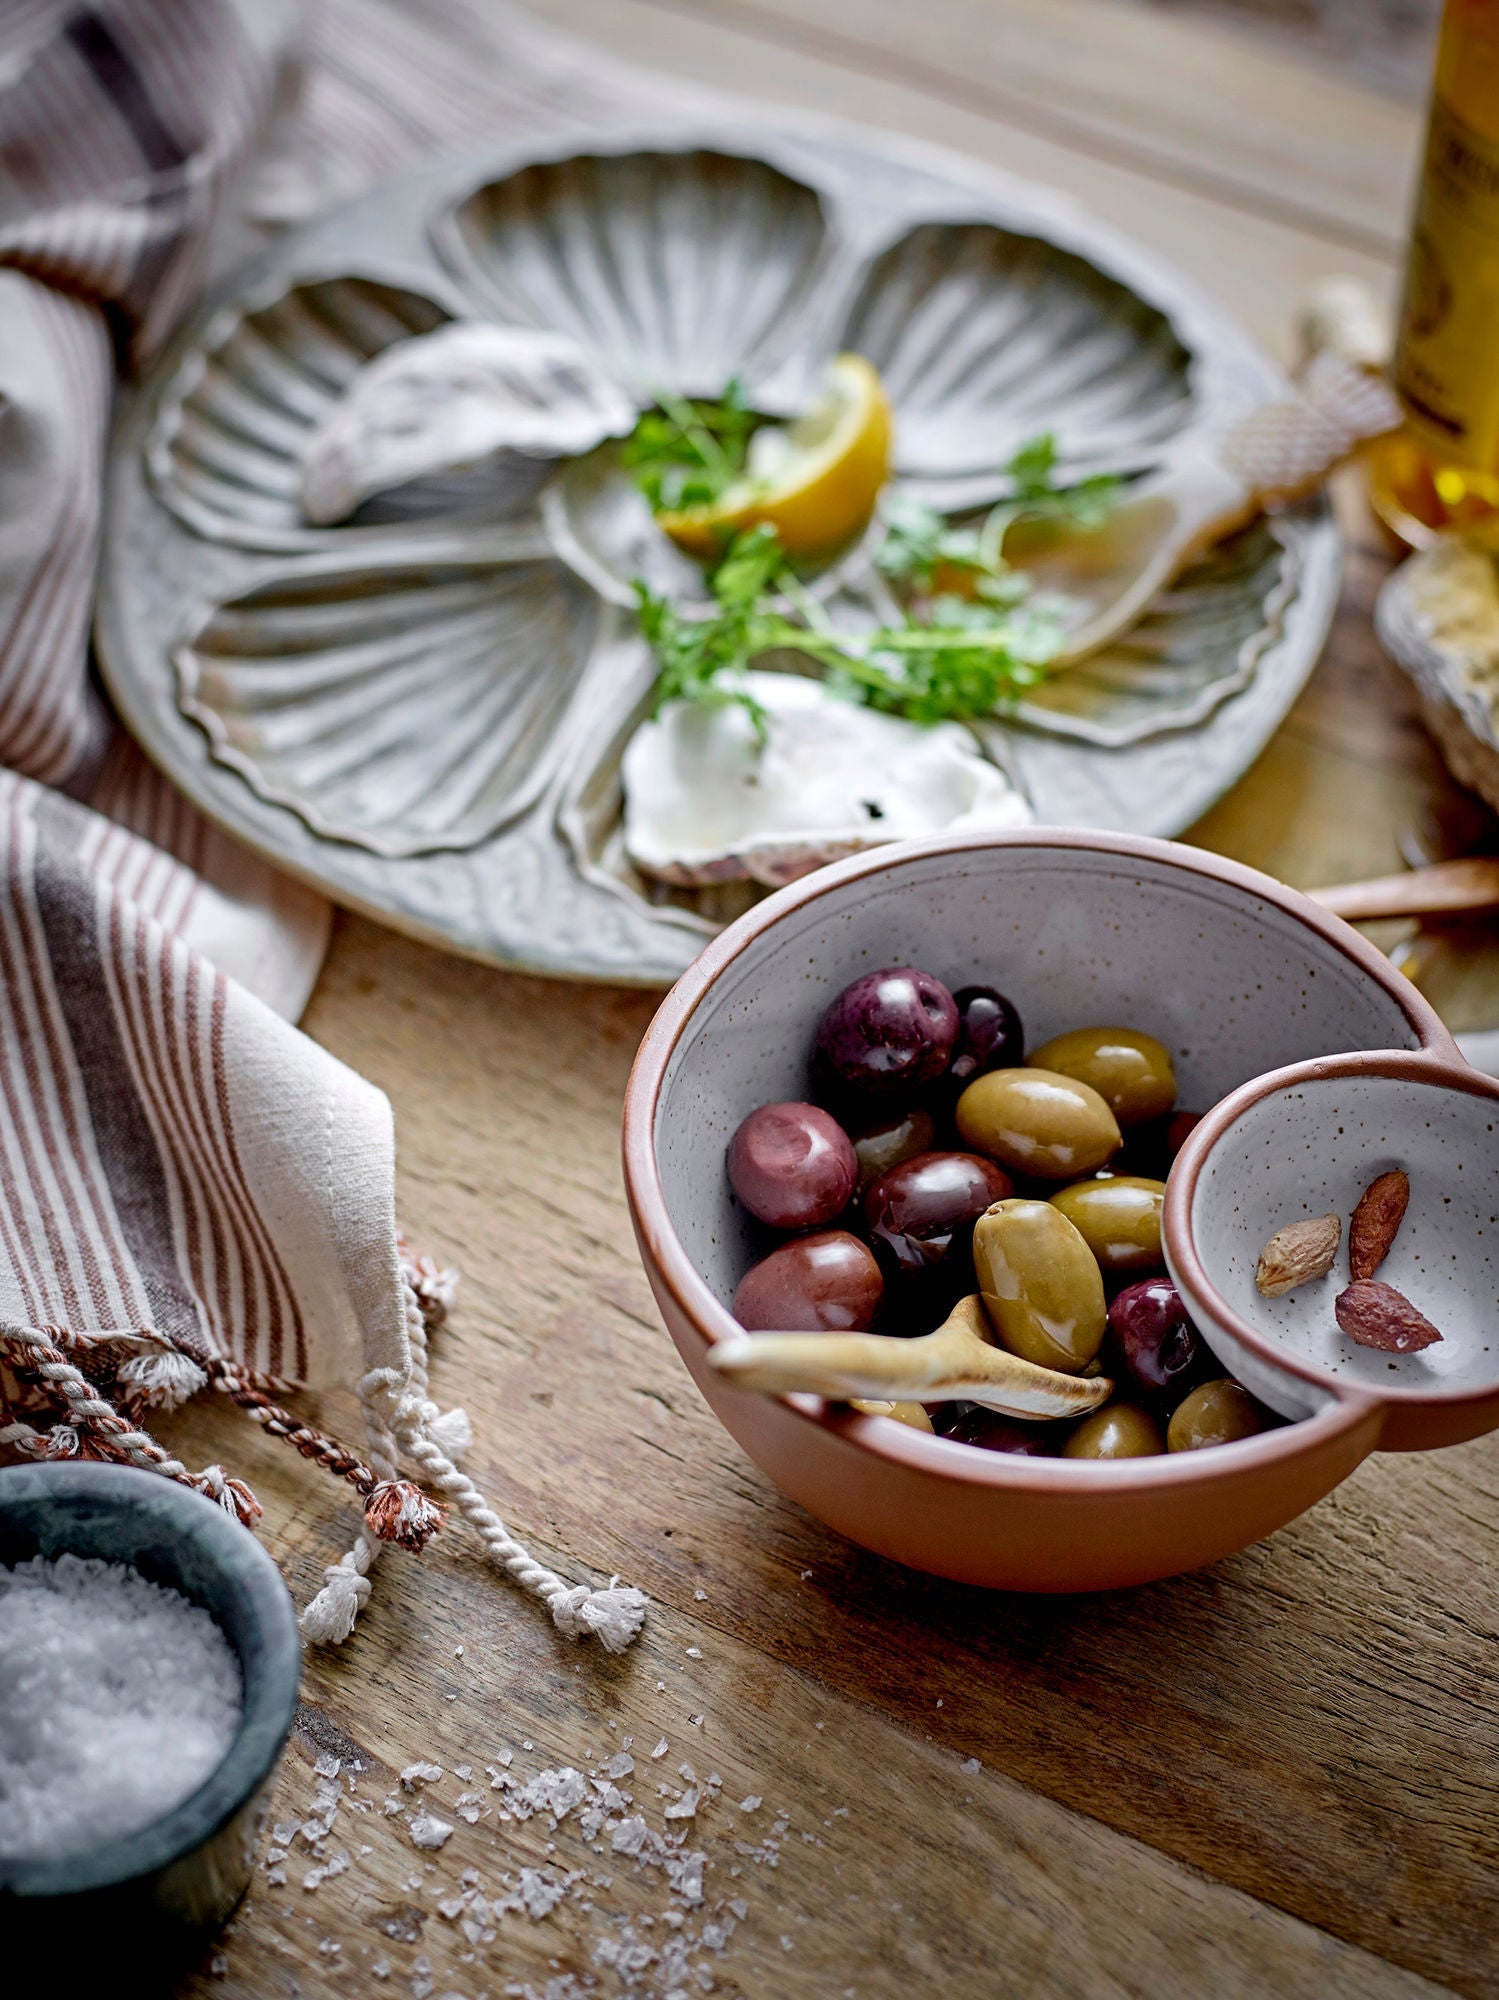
(400,1417)
(400,1420)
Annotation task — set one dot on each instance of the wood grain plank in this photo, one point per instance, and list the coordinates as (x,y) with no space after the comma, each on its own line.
(881,1861)
(1307,1722)
(1186,103)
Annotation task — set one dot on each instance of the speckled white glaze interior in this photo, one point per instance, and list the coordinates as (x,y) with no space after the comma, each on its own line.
(1309,1146)
(1145,934)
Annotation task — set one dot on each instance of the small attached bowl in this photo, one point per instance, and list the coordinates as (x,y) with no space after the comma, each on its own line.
(1235,973)
(1307,1141)
(156,1895)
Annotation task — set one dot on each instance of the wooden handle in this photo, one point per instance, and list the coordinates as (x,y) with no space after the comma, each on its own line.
(957,1362)
(1446,888)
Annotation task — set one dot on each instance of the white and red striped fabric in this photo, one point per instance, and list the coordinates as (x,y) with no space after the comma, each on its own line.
(192,1193)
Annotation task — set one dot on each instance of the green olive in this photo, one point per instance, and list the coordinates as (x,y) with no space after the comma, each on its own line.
(1119,1219)
(914,1414)
(1041,1285)
(1130,1071)
(1037,1122)
(1118,1430)
(1214,1413)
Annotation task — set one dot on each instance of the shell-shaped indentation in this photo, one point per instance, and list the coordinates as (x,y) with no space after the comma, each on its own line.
(680,270)
(1198,644)
(405,709)
(985,338)
(225,449)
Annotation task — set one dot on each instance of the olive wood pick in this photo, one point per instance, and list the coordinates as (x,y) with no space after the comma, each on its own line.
(1442,888)
(958,1362)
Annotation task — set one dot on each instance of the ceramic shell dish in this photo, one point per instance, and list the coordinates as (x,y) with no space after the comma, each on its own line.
(423,708)
(1235,973)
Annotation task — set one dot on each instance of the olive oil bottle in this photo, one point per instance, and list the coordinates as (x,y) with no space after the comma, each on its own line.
(1443,468)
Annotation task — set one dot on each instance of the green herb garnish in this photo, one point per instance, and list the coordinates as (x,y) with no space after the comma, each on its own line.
(688,454)
(959,652)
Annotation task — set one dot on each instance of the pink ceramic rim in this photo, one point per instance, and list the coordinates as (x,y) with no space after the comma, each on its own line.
(1425,1066)
(897,1443)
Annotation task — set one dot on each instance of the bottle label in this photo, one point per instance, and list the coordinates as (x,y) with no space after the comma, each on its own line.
(1447,355)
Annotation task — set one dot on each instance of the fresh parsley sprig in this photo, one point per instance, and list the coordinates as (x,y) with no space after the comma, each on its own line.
(969,642)
(689,453)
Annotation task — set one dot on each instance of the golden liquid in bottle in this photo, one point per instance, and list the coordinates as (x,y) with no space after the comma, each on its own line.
(1442,469)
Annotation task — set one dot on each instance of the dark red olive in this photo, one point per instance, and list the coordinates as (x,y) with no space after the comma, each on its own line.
(971,1423)
(990,1035)
(889,1032)
(921,1214)
(1150,1148)
(792,1165)
(1156,1342)
(898,1136)
(824,1283)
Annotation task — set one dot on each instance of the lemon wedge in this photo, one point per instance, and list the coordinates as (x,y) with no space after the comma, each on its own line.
(815,481)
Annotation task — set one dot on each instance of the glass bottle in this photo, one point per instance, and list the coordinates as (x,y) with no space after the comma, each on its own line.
(1442,469)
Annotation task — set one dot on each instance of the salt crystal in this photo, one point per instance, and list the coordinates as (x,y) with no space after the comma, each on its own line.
(694,1652)
(661,1748)
(327,1767)
(971,1766)
(420,1773)
(427,1830)
(381,1968)
(701,1596)
(118,1698)
(619,1765)
(463,1771)
(685,1806)
(752,1804)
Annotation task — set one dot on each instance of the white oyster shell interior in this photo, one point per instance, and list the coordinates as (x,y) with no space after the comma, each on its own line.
(706,802)
(455,398)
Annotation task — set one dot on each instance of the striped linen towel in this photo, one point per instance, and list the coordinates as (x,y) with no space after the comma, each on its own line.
(192,1193)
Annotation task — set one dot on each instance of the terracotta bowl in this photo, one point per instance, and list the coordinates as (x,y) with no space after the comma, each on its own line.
(1307,1141)
(1238,976)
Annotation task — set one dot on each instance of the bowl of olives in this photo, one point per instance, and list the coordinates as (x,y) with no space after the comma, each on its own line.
(897,1148)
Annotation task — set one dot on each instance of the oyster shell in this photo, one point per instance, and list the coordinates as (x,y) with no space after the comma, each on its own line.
(1439,616)
(454,398)
(706,802)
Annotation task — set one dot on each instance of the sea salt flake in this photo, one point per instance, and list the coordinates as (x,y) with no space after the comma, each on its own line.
(694,1652)
(685,1806)
(661,1748)
(686,1771)
(420,1773)
(148,1684)
(327,1767)
(463,1772)
(751,1804)
(620,1765)
(629,1836)
(427,1830)
(971,1766)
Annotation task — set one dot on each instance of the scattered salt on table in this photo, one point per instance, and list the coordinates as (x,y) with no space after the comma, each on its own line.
(118,1698)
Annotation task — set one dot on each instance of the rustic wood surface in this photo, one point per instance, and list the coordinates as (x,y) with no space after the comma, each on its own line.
(1271,1778)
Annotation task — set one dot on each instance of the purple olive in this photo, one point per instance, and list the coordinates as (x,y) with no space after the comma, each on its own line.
(990,1035)
(921,1214)
(792,1166)
(897,1135)
(825,1283)
(971,1423)
(889,1032)
(1156,1342)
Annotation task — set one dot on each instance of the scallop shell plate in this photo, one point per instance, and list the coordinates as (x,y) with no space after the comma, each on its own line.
(423,709)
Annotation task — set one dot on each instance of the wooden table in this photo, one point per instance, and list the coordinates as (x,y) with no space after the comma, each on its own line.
(1274,1777)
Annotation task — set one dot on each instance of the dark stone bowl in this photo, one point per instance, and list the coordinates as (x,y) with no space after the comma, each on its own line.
(160,1892)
